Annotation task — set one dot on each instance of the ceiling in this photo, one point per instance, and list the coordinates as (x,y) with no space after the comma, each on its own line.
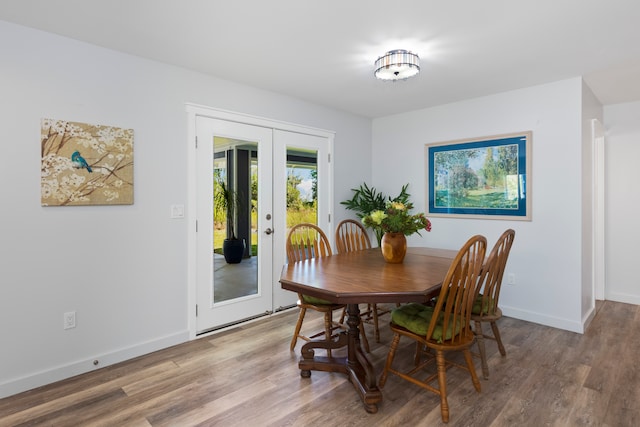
(323,51)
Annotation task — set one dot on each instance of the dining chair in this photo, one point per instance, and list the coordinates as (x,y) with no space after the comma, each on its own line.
(485,307)
(352,236)
(307,241)
(442,328)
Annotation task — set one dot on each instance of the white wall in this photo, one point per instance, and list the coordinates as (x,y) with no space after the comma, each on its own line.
(546,256)
(122,268)
(622,201)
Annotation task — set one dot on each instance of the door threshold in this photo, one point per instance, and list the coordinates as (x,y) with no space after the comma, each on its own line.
(232,324)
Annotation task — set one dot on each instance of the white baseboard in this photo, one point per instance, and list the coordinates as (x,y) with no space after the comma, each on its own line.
(622,297)
(588,317)
(28,382)
(543,319)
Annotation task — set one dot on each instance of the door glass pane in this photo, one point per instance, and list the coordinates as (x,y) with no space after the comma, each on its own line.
(302,186)
(234,219)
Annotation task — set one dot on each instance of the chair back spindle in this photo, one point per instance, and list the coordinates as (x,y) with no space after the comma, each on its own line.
(351,236)
(306,241)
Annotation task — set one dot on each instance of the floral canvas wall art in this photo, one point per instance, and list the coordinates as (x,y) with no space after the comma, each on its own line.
(85,164)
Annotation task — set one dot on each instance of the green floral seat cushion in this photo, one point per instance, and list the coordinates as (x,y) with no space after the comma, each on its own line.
(416,318)
(479,309)
(315,301)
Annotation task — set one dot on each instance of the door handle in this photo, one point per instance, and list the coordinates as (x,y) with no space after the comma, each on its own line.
(268,231)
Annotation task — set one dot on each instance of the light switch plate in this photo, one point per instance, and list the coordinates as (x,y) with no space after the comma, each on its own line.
(177,211)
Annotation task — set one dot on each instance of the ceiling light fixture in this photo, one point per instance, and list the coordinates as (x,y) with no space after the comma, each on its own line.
(397,65)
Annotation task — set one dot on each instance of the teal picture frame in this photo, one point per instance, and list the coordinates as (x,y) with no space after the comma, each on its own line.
(487,177)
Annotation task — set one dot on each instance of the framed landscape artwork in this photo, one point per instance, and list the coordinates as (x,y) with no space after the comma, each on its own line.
(487,177)
(85,164)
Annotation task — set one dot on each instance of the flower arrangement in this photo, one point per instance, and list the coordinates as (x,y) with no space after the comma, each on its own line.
(395,218)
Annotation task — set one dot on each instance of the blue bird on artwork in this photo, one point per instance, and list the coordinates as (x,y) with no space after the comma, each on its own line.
(79,161)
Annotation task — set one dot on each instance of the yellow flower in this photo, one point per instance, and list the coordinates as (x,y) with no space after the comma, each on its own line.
(378,216)
(398,206)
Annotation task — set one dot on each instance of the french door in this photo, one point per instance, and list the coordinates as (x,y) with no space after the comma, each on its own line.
(262,166)
(298,155)
(230,157)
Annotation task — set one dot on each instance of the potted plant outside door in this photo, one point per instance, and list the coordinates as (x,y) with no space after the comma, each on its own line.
(229,201)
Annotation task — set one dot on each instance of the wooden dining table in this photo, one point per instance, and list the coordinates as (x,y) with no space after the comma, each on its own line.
(362,277)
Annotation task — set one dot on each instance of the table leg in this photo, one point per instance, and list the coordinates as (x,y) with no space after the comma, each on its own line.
(359,369)
(310,361)
(356,365)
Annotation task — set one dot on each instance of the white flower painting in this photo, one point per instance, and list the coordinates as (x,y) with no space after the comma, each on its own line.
(84,164)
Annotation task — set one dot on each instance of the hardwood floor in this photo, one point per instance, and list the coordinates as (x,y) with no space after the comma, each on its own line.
(248,377)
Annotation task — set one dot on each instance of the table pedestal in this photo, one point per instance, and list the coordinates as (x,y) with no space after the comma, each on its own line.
(355,365)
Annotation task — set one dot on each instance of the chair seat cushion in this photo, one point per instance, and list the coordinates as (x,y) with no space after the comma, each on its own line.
(416,318)
(315,301)
(478,307)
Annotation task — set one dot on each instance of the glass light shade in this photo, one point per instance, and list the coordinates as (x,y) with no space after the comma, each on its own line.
(397,65)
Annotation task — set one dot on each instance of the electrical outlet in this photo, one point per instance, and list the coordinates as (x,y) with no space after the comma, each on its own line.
(511,279)
(69,320)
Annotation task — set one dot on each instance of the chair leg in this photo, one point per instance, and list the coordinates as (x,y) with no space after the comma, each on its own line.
(296,332)
(390,356)
(472,369)
(442,385)
(483,352)
(343,315)
(328,328)
(496,334)
(376,331)
(363,336)
(418,356)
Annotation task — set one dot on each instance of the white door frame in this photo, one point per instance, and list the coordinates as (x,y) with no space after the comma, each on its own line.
(598,173)
(193,111)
